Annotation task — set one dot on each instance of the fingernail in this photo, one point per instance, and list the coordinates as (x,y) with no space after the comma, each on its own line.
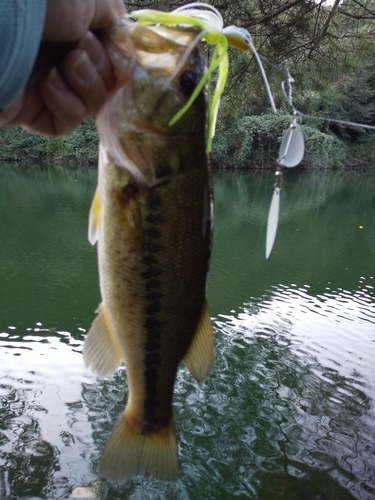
(84,68)
(91,45)
(57,82)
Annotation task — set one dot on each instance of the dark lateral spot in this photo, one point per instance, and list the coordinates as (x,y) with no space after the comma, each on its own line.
(148,260)
(152,284)
(154,200)
(152,232)
(152,361)
(154,328)
(151,272)
(152,308)
(153,247)
(153,345)
(154,218)
(151,296)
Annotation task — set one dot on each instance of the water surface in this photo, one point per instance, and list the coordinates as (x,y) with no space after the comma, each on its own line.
(289,409)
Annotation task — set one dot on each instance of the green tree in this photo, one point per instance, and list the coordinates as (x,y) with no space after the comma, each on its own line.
(329,50)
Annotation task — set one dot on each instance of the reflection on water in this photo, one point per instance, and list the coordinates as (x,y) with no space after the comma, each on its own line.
(43,422)
(289,410)
(313,390)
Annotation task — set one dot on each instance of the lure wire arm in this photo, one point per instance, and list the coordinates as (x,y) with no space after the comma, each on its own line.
(288,97)
(264,76)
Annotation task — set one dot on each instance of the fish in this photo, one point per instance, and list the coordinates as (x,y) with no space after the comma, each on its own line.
(152,219)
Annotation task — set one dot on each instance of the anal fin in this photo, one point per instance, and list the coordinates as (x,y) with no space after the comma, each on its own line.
(100,351)
(199,358)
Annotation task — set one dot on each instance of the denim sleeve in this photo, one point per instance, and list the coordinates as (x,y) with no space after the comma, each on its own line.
(21,28)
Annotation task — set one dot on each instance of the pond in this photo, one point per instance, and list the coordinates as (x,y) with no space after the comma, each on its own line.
(288,411)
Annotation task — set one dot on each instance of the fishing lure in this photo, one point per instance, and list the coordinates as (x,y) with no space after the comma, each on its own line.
(209,21)
(291,153)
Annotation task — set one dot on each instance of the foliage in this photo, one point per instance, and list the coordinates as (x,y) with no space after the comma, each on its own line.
(79,147)
(329,50)
(253,142)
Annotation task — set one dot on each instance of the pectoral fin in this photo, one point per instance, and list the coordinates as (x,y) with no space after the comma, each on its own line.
(101,351)
(199,359)
(93,233)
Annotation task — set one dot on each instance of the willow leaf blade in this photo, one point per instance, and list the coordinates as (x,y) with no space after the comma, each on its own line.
(273,221)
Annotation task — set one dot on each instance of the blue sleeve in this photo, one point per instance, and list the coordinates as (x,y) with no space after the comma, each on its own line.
(21,28)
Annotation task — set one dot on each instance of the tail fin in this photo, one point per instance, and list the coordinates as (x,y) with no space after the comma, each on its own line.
(130,452)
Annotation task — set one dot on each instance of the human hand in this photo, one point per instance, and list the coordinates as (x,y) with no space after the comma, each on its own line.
(72,73)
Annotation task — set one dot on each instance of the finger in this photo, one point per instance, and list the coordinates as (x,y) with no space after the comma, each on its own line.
(57,102)
(72,96)
(49,105)
(67,98)
(99,58)
(59,112)
(84,79)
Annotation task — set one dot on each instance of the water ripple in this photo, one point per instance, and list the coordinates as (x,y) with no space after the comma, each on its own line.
(306,396)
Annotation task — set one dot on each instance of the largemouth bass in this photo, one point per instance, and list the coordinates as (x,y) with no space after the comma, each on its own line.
(152,218)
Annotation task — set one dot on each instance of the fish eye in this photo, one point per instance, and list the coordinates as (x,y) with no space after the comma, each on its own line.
(188,82)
